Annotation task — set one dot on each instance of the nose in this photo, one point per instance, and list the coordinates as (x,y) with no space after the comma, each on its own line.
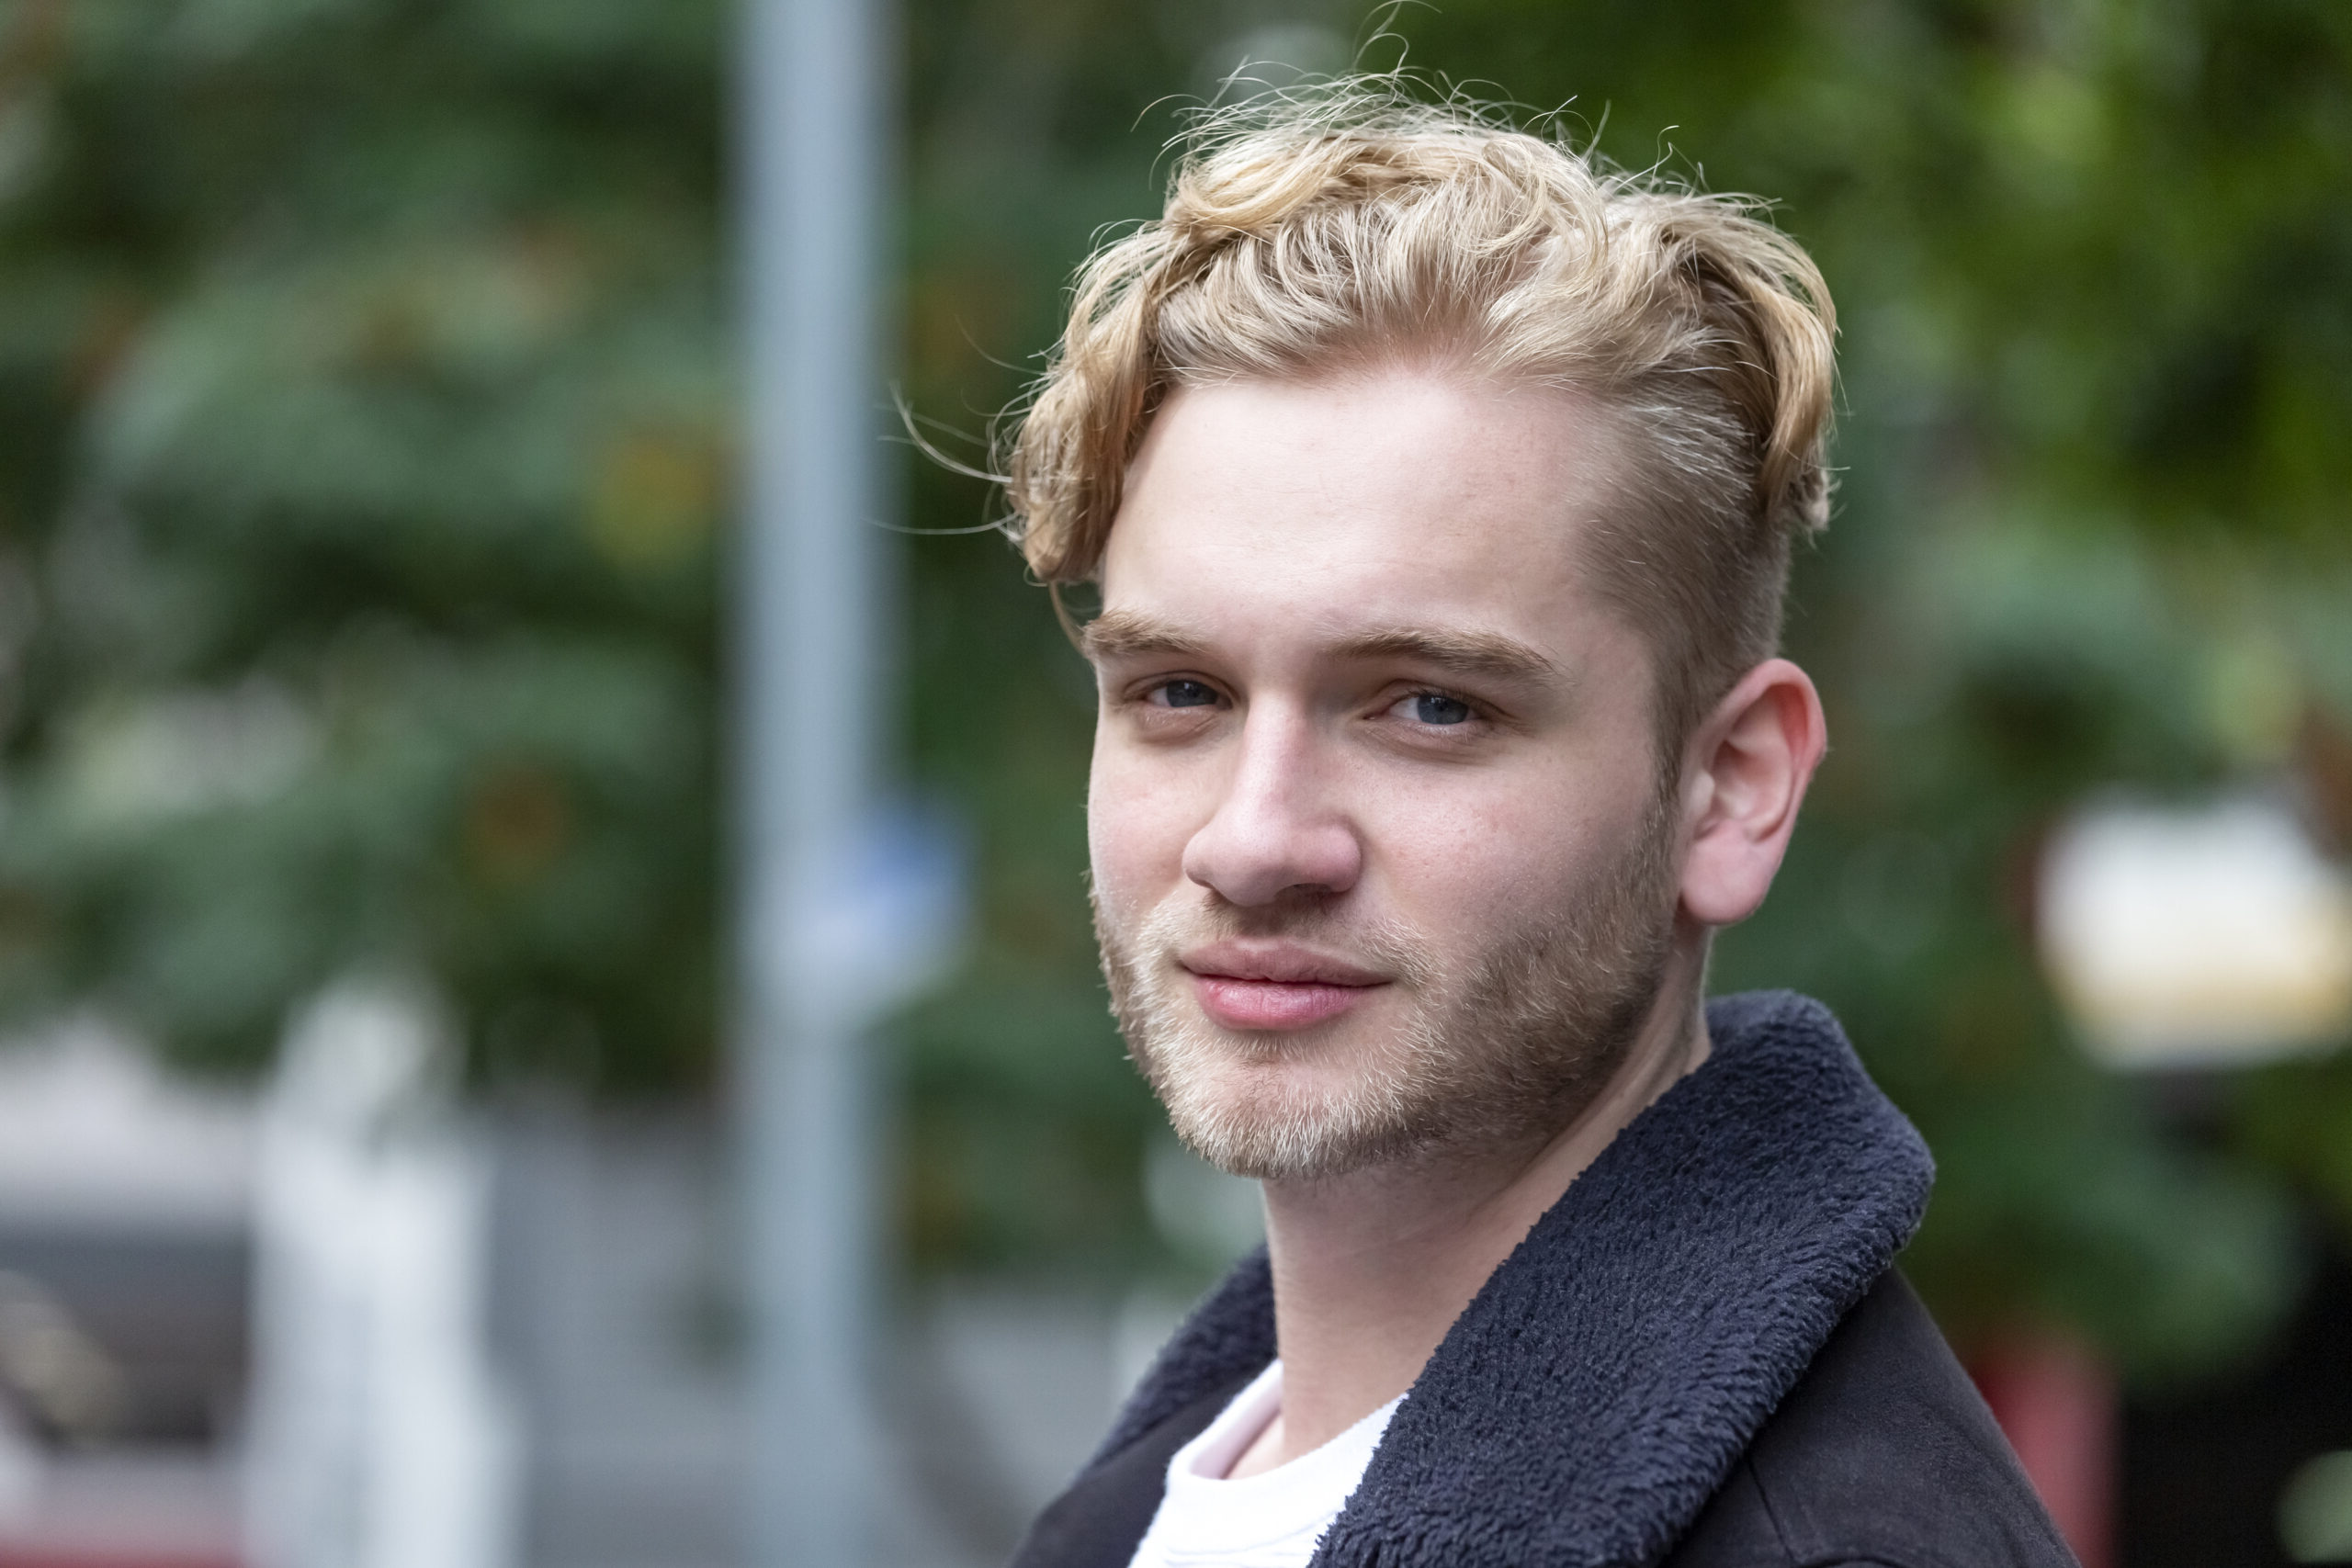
(1277,830)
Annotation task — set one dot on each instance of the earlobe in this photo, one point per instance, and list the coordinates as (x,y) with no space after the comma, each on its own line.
(1750,762)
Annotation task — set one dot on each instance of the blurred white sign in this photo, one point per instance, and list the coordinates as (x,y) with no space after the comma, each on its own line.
(382,1437)
(2211,937)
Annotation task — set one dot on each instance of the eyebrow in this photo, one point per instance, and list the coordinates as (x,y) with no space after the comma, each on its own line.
(1490,654)
(1129,634)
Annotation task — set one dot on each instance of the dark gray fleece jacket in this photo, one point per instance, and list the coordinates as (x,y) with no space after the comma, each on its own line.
(1701,1357)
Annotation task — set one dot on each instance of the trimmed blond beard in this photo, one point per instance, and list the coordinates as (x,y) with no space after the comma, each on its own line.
(1509,1050)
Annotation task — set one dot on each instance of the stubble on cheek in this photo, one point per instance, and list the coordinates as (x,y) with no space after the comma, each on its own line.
(1505,1046)
(1270,1104)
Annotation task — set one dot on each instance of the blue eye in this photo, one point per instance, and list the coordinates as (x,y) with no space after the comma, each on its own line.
(1187,694)
(1432,708)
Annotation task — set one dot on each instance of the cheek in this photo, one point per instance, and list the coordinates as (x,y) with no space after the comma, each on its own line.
(1467,864)
(1138,820)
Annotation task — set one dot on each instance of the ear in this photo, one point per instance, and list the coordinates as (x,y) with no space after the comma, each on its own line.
(1745,773)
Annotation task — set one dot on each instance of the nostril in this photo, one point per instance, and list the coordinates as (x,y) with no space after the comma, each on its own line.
(1253,868)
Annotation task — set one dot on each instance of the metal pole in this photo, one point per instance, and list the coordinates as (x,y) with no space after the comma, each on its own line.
(812,135)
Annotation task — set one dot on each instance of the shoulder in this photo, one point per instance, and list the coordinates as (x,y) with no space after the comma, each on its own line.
(1881,1453)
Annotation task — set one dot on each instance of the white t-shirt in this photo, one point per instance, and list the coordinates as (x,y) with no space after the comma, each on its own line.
(1271,1519)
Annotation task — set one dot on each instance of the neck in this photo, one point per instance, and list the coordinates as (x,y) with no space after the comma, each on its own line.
(1370,1269)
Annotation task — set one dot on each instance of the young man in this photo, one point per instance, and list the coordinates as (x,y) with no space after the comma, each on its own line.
(1440,488)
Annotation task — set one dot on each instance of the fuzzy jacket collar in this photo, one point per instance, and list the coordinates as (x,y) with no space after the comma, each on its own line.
(1598,1389)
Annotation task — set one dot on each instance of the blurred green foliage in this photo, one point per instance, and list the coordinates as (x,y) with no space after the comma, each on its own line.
(364,366)
(363,433)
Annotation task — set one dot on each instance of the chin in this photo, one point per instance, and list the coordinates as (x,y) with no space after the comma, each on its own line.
(1289,1145)
(1281,1108)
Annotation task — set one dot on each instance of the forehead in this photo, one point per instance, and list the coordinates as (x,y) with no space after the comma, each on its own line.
(1409,498)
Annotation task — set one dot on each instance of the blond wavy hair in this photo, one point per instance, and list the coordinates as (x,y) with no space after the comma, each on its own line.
(1357,228)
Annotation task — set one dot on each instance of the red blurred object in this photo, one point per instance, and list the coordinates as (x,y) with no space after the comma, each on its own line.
(113,1509)
(2057,1401)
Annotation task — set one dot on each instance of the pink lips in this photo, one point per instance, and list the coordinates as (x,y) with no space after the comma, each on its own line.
(1275,986)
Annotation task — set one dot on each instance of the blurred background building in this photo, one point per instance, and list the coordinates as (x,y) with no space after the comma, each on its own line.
(371,415)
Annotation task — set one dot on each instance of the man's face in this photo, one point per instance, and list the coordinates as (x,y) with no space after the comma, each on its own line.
(1382,864)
